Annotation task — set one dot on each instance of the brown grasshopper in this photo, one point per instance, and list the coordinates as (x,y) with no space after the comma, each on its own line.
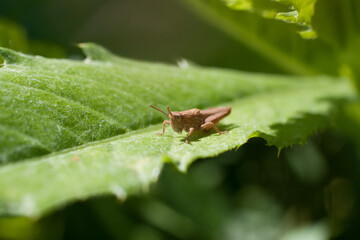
(194,119)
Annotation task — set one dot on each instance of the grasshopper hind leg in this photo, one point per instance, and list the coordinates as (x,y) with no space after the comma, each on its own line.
(209,125)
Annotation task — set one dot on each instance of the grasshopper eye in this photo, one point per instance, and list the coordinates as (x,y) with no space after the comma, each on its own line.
(177,117)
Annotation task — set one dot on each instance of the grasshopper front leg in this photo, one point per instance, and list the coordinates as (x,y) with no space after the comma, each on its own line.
(163,127)
(190,132)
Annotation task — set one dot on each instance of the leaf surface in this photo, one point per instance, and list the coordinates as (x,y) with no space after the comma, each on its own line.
(88,129)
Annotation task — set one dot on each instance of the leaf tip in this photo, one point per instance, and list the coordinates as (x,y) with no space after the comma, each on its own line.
(95,52)
(119,192)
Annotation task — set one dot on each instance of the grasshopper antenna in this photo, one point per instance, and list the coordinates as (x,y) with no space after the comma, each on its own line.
(159,110)
(170,111)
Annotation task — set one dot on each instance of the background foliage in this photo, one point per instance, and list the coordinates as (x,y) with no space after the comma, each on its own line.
(309,191)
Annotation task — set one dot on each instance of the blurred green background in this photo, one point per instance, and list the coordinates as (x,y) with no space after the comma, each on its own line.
(156,30)
(308,192)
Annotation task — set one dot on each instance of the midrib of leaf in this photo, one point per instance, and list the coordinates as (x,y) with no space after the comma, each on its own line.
(221,17)
(263,105)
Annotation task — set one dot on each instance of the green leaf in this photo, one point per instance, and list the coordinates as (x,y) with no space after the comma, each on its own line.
(274,40)
(94,120)
(298,12)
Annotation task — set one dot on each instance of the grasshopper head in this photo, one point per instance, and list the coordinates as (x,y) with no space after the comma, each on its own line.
(176,120)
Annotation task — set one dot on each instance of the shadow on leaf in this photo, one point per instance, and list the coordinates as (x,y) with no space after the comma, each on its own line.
(296,130)
(197,135)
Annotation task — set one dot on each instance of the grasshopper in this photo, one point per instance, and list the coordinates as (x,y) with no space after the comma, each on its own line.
(194,119)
